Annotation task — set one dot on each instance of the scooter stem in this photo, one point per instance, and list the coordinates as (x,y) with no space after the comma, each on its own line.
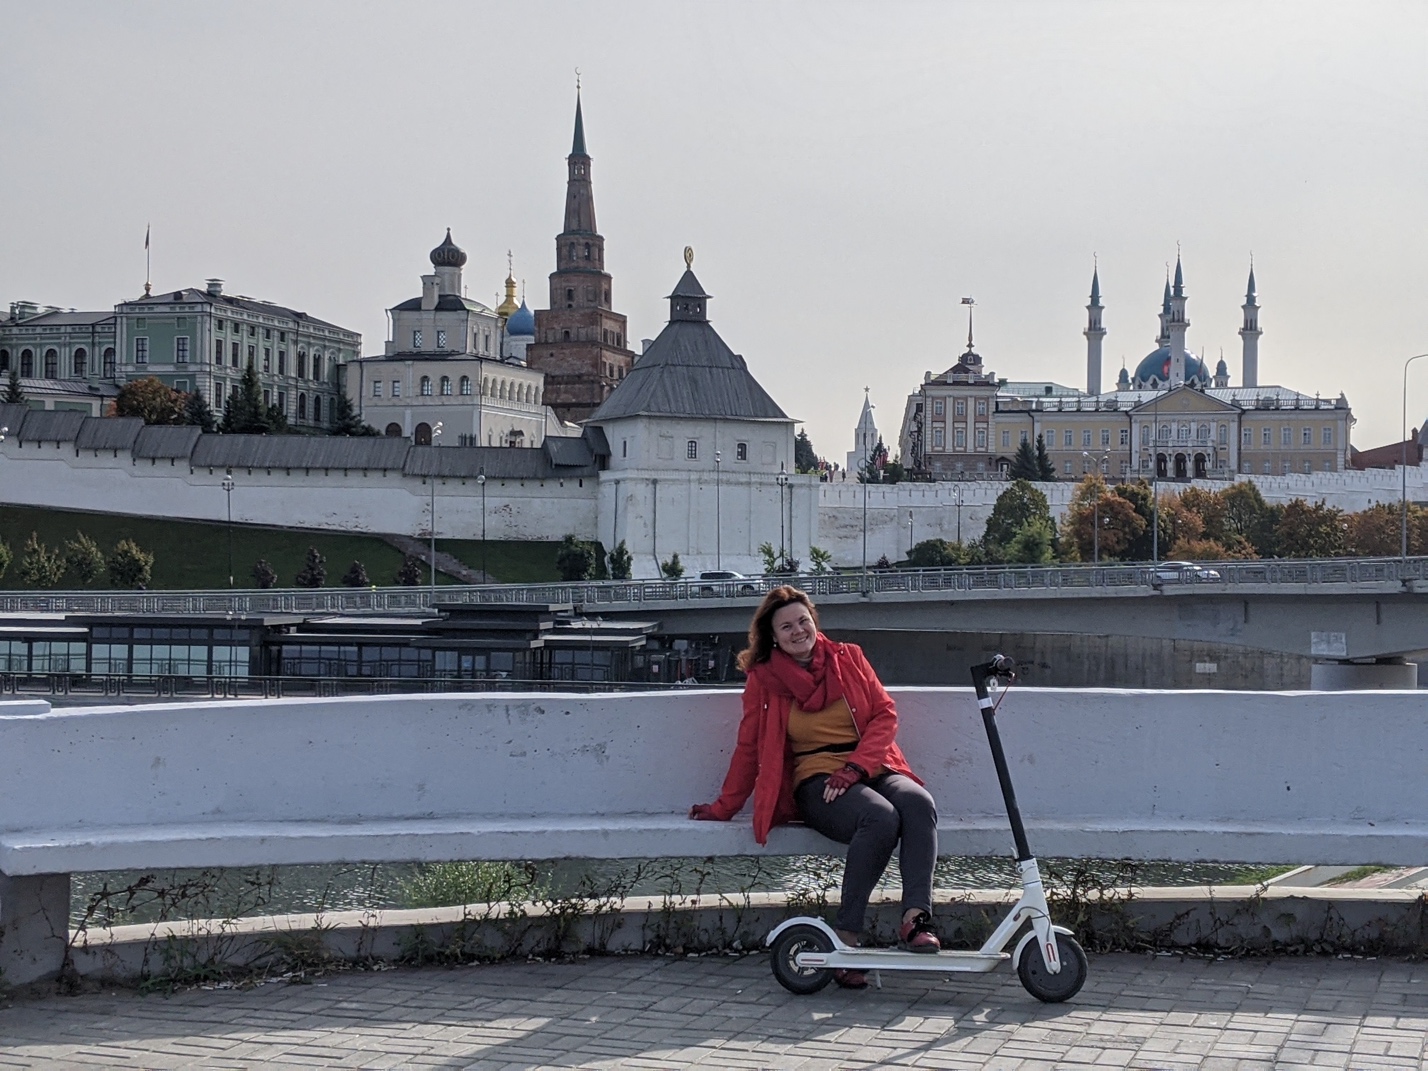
(1000,666)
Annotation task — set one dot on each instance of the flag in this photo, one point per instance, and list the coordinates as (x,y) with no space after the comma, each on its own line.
(146,237)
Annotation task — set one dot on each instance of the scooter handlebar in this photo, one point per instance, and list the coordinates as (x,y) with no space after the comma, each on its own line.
(1000,667)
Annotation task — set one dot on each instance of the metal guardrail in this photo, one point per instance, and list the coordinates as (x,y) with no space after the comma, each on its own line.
(595,595)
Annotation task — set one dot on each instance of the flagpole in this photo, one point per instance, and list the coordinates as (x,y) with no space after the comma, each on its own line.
(148,288)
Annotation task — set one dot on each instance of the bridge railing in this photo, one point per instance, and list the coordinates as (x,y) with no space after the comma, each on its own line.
(594,595)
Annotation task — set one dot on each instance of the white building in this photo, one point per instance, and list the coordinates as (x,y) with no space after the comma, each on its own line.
(701,458)
(865,437)
(447,362)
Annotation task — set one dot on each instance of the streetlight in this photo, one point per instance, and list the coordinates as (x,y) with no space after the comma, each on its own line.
(227,490)
(958,492)
(1403,460)
(481,482)
(1100,460)
(718,515)
(435,434)
(909,533)
(782,480)
(863,476)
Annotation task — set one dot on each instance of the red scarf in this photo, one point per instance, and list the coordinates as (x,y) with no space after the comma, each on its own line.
(813,686)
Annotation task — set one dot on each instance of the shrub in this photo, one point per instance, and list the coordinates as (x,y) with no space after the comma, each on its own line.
(672,569)
(574,560)
(820,559)
(454,884)
(264,575)
(130,566)
(356,576)
(41,566)
(621,563)
(83,559)
(313,573)
(409,574)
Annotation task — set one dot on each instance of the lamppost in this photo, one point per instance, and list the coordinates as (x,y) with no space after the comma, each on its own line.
(481,483)
(909,533)
(227,490)
(863,476)
(718,515)
(1403,460)
(782,480)
(1100,460)
(958,492)
(435,435)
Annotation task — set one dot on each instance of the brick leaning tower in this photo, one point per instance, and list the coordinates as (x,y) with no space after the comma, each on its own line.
(581,344)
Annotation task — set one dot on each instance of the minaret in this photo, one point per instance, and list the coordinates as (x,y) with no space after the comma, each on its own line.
(1175,326)
(1249,333)
(1163,339)
(581,344)
(1094,334)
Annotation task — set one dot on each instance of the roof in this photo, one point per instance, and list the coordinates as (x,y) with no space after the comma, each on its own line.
(577,145)
(112,433)
(232,301)
(52,426)
(12,415)
(157,441)
(299,452)
(62,319)
(445,303)
(496,462)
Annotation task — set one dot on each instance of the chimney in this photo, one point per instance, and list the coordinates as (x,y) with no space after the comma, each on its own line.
(430,291)
(645,344)
(215,287)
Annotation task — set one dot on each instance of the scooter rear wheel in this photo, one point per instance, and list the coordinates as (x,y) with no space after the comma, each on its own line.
(796,979)
(1041,983)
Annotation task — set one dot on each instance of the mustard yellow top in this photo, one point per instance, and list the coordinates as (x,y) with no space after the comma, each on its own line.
(821,741)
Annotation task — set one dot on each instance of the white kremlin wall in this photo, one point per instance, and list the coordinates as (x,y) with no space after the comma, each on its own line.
(690,513)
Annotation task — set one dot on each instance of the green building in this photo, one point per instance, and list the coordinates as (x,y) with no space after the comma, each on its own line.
(65,358)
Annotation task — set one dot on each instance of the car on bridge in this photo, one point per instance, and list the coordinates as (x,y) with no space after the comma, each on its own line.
(727,575)
(1184,573)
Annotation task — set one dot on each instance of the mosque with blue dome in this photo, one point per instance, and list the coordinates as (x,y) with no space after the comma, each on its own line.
(1171,418)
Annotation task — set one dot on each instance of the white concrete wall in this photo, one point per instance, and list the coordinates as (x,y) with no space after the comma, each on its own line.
(1249,776)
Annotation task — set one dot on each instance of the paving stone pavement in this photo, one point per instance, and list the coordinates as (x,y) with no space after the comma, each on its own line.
(726,1012)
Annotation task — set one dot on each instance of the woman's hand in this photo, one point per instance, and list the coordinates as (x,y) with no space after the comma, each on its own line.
(704,812)
(840,781)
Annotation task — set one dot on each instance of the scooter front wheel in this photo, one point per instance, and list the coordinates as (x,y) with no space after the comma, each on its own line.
(1041,983)
(796,979)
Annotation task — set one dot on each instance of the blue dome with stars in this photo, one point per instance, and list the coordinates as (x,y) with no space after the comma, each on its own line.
(1156,365)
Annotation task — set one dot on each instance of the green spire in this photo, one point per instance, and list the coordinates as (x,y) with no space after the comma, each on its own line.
(578,148)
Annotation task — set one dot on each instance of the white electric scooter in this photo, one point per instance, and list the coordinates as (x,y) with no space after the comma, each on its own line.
(1049,961)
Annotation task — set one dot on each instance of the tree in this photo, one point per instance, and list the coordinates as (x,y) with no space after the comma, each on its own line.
(356,576)
(621,563)
(1033,544)
(805,458)
(1184,524)
(1015,507)
(130,566)
(41,566)
(672,569)
(1120,525)
(313,573)
(6,557)
(871,470)
(1377,532)
(409,574)
(1250,517)
(345,420)
(770,557)
(893,471)
(1141,498)
(151,400)
(1045,470)
(196,412)
(932,553)
(1024,466)
(574,559)
(13,394)
(83,560)
(264,575)
(1306,531)
(820,559)
(1210,505)
(245,413)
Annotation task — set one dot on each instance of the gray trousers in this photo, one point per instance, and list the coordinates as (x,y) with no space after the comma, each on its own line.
(871,818)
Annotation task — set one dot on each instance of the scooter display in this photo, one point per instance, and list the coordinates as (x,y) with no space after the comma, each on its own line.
(1048,960)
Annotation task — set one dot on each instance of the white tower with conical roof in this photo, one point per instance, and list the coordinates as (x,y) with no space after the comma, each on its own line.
(865,436)
(1094,334)
(1249,334)
(1175,325)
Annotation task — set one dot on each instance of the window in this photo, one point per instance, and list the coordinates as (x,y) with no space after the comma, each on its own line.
(416,340)
(465,386)
(1308,467)
(4,360)
(446,386)
(267,397)
(282,362)
(1308,436)
(376,388)
(441,340)
(570,296)
(981,441)
(181,350)
(317,407)
(282,336)
(1329,436)
(396,388)
(1224,434)
(51,364)
(961,407)
(1125,436)
(141,354)
(981,407)
(1145,435)
(1202,433)
(233,354)
(218,325)
(267,332)
(937,407)
(624,447)
(1182,432)
(1070,437)
(317,366)
(109,362)
(302,364)
(252,331)
(1006,438)
(218,389)
(1105,436)
(691,450)
(1246,437)
(1284,467)
(1068,468)
(1024,434)
(960,435)
(252,354)
(587,250)
(937,438)
(1286,436)
(565,336)
(1164,433)
(217,351)
(1267,436)
(425,387)
(267,358)
(741,451)
(80,363)
(1086,437)
(282,401)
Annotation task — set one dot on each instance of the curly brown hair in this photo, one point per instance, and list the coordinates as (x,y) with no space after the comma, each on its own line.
(761,639)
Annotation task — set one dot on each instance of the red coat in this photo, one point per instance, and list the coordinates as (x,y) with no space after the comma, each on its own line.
(762,763)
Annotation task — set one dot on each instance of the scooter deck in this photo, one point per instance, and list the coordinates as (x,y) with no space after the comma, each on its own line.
(895,959)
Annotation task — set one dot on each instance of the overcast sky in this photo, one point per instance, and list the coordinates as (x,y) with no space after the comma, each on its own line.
(845,172)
